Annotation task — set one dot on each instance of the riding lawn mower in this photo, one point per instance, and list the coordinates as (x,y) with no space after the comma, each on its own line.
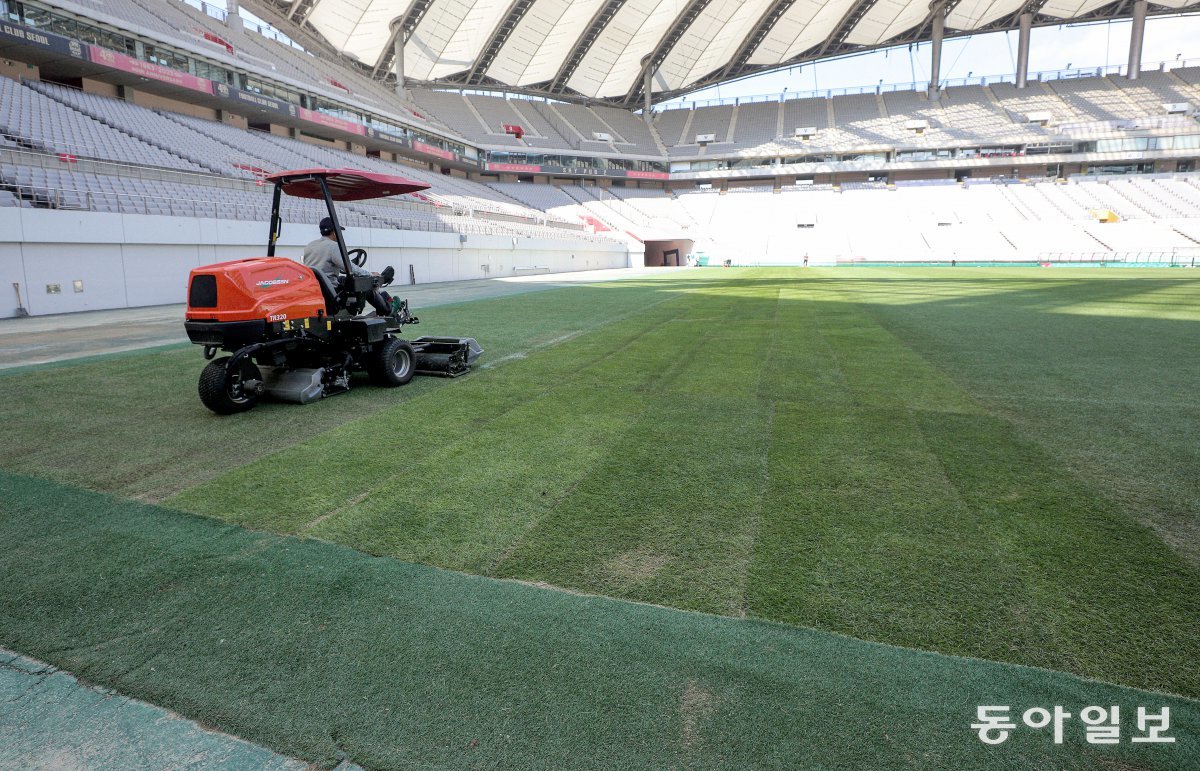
(294,333)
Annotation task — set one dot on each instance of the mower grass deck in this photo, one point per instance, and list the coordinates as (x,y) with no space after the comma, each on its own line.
(971,462)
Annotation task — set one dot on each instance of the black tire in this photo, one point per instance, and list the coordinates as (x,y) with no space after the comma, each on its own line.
(221,390)
(392,363)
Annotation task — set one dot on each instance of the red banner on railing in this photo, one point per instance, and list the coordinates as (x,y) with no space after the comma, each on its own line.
(513,129)
(647,174)
(519,168)
(210,37)
(329,121)
(421,147)
(150,70)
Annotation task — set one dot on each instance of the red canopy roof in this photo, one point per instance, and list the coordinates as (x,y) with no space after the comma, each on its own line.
(344,184)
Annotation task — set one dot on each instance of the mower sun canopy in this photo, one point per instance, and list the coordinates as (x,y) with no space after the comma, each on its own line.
(344,184)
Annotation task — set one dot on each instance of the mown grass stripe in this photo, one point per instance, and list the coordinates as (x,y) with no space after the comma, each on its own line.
(876,542)
(407,458)
(133,425)
(327,654)
(869,530)
(1101,584)
(1098,371)
(673,509)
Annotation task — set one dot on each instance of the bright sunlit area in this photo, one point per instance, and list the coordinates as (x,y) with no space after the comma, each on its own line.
(1169,40)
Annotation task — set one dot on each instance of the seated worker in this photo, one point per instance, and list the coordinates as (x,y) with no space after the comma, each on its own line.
(324,255)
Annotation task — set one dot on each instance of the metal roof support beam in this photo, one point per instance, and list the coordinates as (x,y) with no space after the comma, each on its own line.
(398,64)
(233,19)
(848,22)
(384,62)
(754,39)
(291,12)
(275,15)
(584,44)
(939,34)
(504,29)
(401,27)
(683,21)
(1026,27)
(1136,33)
(647,91)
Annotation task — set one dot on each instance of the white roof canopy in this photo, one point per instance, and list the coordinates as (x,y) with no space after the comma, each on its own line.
(600,49)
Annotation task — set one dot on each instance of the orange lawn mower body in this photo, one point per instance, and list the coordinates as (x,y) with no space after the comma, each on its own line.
(294,333)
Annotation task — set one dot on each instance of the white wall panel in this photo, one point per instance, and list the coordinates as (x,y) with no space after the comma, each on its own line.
(136,260)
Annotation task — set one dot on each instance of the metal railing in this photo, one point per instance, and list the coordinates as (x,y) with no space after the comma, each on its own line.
(564,129)
(882,88)
(78,162)
(1181,256)
(56,197)
(222,15)
(75,162)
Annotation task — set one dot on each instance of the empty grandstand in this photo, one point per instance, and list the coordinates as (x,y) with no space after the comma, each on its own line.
(927,445)
(178,109)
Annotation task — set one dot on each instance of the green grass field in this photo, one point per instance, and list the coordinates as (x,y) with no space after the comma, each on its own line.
(992,464)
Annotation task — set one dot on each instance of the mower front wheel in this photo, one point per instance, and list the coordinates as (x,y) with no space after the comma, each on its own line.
(224,390)
(392,363)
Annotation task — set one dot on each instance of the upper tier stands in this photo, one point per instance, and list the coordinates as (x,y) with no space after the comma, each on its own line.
(549,128)
(962,115)
(175,21)
(138,160)
(214,164)
(127,139)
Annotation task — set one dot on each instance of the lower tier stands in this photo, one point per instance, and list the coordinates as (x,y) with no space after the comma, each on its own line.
(920,221)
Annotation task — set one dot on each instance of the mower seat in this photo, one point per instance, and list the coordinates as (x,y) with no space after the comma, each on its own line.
(329,292)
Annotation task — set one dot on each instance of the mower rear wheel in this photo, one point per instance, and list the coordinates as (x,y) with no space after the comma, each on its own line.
(222,389)
(392,363)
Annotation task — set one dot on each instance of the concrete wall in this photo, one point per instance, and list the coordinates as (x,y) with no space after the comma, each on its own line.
(17,70)
(130,260)
(101,88)
(156,102)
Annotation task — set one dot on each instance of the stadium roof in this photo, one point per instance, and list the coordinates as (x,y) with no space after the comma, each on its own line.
(600,49)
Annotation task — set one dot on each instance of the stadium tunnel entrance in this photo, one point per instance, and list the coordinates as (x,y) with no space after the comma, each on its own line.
(673,252)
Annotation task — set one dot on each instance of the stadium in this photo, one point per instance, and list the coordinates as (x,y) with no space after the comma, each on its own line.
(678,424)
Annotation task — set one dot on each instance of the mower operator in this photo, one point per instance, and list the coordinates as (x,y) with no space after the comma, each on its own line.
(324,255)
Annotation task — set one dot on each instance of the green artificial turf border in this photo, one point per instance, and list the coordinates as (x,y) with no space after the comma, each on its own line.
(324,653)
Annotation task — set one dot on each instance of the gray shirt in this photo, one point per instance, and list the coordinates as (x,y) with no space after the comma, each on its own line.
(324,255)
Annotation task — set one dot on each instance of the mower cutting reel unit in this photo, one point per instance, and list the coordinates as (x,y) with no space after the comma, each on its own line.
(294,333)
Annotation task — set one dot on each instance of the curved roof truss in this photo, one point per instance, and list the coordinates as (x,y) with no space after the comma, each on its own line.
(601,50)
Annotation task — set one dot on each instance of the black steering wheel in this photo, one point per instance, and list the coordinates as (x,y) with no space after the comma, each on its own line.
(358,256)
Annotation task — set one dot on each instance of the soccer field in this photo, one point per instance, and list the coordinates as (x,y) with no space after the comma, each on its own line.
(997,464)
